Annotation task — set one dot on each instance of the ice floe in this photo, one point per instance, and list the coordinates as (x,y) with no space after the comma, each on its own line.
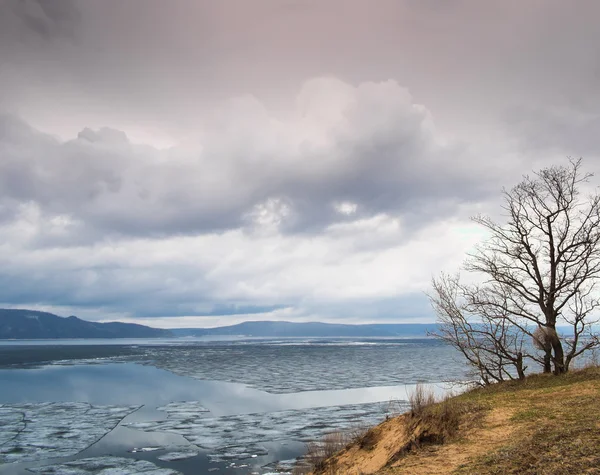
(282,467)
(135,450)
(104,466)
(243,436)
(182,409)
(36,431)
(11,424)
(179,455)
(300,367)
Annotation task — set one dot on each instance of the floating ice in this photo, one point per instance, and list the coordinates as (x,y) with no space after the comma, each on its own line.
(89,361)
(104,466)
(182,406)
(183,410)
(11,424)
(30,432)
(144,449)
(237,453)
(281,467)
(239,437)
(300,366)
(179,455)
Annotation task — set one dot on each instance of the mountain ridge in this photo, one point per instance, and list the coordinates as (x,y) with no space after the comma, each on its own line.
(269,328)
(23,324)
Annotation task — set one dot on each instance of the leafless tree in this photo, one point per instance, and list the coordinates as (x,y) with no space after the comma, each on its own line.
(493,348)
(539,269)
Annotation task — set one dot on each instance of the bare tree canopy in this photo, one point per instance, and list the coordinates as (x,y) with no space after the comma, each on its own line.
(538,271)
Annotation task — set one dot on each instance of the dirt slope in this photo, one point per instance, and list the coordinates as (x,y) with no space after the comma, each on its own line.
(545,425)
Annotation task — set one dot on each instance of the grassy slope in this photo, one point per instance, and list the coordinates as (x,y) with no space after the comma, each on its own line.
(544,425)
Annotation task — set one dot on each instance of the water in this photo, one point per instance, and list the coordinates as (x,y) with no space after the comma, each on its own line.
(282,366)
(230,406)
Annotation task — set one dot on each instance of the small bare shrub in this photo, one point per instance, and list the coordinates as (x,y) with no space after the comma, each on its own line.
(318,452)
(394,408)
(436,422)
(449,415)
(368,440)
(421,398)
(302,468)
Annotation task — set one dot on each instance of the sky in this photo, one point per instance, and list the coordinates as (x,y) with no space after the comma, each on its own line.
(198,163)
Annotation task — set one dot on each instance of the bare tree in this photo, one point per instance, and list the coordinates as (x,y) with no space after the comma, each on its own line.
(540,268)
(492,347)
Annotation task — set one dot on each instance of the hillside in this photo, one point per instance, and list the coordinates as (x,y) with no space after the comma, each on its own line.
(31,324)
(544,425)
(311,329)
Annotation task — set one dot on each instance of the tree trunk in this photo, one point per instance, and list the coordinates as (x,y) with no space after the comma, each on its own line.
(557,348)
(559,357)
(519,365)
(568,360)
(548,360)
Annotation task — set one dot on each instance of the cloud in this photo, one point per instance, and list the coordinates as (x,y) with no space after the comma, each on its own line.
(363,270)
(48,20)
(181,161)
(562,131)
(348,152)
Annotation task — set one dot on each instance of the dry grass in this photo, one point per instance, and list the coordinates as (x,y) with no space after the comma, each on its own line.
(420,399)
(544,425)
(429,422)
(556,428)
(318,452)
(436,422)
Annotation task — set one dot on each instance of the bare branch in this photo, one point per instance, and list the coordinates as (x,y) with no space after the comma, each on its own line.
(538,269)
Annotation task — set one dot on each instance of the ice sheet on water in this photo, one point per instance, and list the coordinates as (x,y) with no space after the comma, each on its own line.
(283,466)
(241,436)
(11,424)
(104,466)
(36,431)
(224,454)
(301,366)
(180,417)
(89,361)
(183,410)
(135,450)
(178,455)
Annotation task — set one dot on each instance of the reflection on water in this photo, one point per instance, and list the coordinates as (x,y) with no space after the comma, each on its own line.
(118,383)
(133,384)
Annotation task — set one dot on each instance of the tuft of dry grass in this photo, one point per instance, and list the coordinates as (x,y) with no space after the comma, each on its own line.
(317,453)
(437,422)
(368,440)
(434,421)
(420,399)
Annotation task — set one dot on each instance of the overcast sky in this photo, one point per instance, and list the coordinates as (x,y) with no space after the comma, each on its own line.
(200,163)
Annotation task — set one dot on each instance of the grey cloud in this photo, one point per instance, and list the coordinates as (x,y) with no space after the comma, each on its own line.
(569,132)
(119,288)
(164,65)
(48,19)
(122,288)
(378,151)
(109,76)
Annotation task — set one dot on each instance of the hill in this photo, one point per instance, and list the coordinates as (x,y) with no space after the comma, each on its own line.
(543,425)
(31,324)
(311,329)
